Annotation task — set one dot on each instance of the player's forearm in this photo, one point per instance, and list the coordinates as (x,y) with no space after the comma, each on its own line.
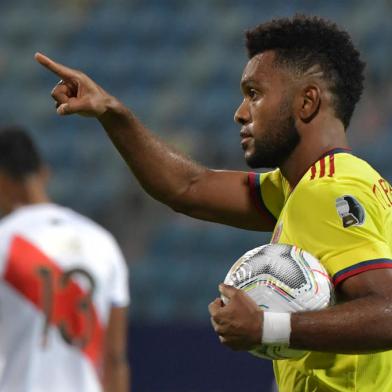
(164,173)
(359,326)
(117,377)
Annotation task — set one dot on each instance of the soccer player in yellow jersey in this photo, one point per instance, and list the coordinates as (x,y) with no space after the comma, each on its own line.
(300,86)
(340,211)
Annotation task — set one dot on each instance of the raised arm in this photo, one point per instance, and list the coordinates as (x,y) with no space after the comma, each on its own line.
(167,175)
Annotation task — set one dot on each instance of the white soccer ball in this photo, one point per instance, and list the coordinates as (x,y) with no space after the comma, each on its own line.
(281,278)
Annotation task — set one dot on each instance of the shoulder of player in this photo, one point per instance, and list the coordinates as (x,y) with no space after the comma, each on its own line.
(258,179)
(88,225)
(7,223)
(340,167)
(101,239)
(351,176)
(9,227)
(23,220)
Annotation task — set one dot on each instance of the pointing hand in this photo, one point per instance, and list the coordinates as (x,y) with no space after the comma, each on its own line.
(76,93)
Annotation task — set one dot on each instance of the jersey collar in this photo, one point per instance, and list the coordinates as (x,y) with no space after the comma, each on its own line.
(336,150)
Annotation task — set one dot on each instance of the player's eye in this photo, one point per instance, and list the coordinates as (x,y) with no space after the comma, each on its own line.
(252,93)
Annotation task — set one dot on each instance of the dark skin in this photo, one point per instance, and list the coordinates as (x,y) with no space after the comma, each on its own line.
(182,184)
(116,375)
(223,196)
(16,193)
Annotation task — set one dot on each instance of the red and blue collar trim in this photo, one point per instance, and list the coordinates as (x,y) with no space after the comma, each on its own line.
(359,268)
(255,188)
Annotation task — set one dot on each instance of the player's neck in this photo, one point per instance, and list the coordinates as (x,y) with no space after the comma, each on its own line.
(310,149)
(30,198)
(30,192)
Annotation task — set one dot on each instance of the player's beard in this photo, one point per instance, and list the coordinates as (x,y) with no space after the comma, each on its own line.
(280,139)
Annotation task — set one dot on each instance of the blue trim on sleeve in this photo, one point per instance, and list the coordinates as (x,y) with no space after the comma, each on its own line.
(361,267)
(255,185)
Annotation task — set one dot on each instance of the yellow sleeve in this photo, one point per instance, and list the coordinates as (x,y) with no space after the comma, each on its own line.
(267,192)
(342,224)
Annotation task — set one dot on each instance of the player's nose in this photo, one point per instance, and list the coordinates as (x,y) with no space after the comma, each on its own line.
(242,115)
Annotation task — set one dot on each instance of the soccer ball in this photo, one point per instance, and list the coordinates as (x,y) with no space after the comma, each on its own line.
(281,278)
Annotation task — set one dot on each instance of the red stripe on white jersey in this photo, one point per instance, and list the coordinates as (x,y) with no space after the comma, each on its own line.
(22,272)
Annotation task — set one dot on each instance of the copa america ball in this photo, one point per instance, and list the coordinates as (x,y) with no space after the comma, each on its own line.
(281,278)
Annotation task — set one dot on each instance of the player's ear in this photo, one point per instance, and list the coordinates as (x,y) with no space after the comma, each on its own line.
(310,102)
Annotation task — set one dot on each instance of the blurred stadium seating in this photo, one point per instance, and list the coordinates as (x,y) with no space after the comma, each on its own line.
(177,64)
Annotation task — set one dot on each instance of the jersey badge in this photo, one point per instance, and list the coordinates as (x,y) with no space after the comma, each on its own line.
(350,211)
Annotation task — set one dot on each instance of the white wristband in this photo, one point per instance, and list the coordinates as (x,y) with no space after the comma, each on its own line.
(276,328)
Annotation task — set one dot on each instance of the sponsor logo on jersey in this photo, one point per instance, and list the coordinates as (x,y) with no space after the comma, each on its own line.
(350,211)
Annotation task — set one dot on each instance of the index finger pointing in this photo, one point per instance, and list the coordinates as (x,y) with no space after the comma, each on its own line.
(60,70)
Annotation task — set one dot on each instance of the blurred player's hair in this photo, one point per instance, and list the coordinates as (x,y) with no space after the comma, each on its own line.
(19,157)
(302,42)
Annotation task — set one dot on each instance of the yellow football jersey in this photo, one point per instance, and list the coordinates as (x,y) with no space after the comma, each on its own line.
(340,211)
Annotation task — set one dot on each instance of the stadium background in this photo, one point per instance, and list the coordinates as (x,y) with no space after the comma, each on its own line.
(177,63)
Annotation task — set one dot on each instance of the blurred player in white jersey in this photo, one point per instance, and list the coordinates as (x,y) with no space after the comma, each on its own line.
(63,287)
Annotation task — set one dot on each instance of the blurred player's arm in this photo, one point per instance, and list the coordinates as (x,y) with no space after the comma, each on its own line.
(116,369)
(168,176)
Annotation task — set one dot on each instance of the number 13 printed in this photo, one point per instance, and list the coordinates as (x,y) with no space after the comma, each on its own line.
(66,306)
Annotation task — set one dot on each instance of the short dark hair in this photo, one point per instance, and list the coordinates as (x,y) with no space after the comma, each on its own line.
(304,41)
(19,157)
